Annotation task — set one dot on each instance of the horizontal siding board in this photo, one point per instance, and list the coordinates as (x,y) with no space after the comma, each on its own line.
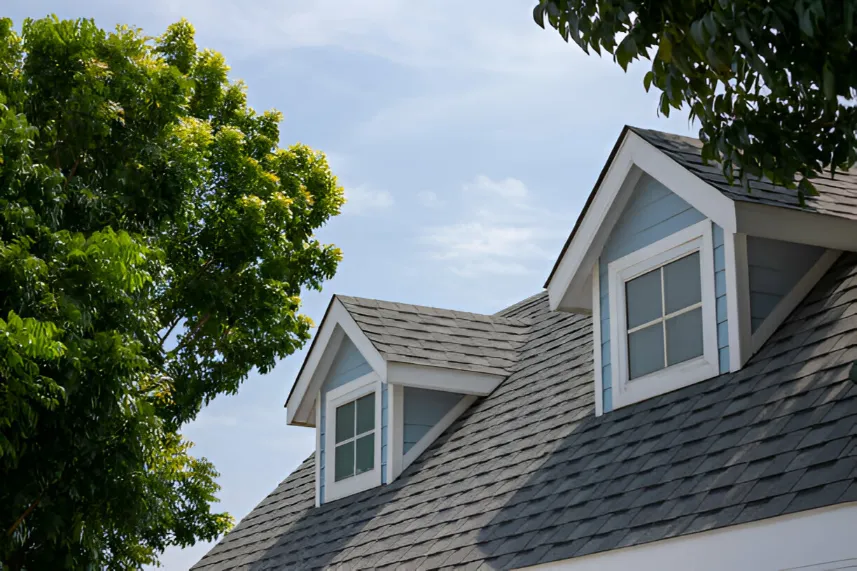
(423,408)
(774,269)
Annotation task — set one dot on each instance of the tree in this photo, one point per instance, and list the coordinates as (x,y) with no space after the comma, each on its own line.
(772,83)
(154,242)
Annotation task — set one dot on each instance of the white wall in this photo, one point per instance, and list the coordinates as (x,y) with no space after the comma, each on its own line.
(815,540)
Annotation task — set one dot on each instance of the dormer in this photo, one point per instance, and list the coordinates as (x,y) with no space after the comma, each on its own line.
(685,275)
(383,380)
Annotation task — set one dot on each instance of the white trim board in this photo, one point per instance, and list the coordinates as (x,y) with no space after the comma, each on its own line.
(299,407)
(442,379)
(800,226)
(596,340)
(792,299)
(737,299)
(812,539)
(567,290)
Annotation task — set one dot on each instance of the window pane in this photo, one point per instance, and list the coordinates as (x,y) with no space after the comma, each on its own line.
(646,350)
(684,336)
(681,283)
(643,297)
(365,453)
(345,422)
(344,461)
(366,413)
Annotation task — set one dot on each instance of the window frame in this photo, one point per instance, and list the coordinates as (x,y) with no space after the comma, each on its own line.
(349,392)
(697,237)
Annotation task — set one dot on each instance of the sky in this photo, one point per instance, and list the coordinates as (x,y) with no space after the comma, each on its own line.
(467,140)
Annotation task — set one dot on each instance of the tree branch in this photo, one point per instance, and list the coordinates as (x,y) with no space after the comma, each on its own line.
(21,517)
(170,330)
(192,335)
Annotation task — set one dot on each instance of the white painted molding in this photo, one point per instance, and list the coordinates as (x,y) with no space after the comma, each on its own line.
(808,540)
(395,430)
(318,451)
(442,379)
(567,289)
(693,238)
(793,225)
(596,339)
(299,406)
(436,430)
(791,300)
(362,386)
(737,299)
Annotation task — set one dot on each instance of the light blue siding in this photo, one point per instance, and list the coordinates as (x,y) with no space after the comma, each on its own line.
(720,295)
(775,268)
(653,213)
(423,408)
(347,366)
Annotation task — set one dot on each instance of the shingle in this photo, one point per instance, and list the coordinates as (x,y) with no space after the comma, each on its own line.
(687,152)
(529,475)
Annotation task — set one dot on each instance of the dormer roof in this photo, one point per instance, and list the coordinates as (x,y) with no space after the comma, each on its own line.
(828,220)
(413,345)
(434,337)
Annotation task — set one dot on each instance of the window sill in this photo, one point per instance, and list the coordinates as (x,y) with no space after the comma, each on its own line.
(664,381)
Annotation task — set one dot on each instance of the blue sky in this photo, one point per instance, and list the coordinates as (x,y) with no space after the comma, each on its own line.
(467,140)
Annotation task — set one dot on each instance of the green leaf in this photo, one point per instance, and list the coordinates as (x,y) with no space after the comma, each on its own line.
(665,50)
(647,80)
(828,81)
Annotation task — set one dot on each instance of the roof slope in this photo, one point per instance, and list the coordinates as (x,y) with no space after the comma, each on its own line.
(439,337)
(529,475)
(837,196)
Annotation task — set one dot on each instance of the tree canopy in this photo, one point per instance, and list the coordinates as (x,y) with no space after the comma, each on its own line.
(772,83)
(154,243)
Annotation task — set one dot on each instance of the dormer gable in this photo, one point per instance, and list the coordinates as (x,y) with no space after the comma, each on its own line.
(383,380)
(685,276)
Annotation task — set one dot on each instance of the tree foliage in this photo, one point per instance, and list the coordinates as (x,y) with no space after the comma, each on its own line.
(154,241)
(772,83)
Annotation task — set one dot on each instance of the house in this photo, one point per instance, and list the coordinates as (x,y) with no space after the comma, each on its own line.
(677,398)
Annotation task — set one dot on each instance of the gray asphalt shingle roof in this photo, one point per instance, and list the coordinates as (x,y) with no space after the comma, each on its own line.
(439,337)
(529,475)
(837,196)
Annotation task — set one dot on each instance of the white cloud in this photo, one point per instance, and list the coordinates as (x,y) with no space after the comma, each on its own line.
(503,231)
(362,199)
(429,198)
(511,188)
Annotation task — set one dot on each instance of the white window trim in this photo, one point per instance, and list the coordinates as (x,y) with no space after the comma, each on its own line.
(353,390)
(694,238)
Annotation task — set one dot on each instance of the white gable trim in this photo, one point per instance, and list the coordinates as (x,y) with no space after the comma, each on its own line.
(791,300)
(300,405)
(808,540)
(442,379)
(568,288)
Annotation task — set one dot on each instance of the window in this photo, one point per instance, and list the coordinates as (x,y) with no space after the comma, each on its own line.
(662,321)
(352,437)
(664,316)
(355,438)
